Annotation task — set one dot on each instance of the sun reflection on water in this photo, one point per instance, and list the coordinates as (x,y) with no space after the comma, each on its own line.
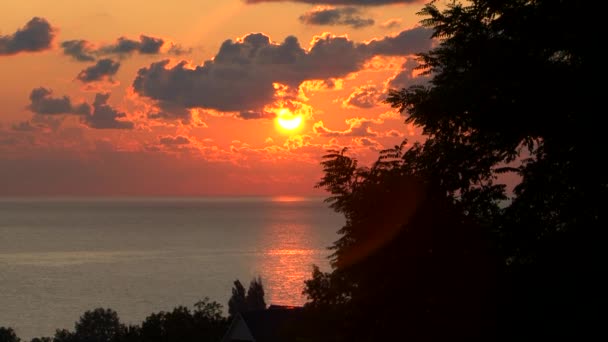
(287,263)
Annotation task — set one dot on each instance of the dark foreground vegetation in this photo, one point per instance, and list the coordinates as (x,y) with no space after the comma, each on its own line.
(205,322)
(435,247)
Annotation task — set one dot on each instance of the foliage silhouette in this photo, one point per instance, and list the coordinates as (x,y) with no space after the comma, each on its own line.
(237,302)
(508,94)
(255,295)
(99,325)
(204,323)
(8,335)
(240,302)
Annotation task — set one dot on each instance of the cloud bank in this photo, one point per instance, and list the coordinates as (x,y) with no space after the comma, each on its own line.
(244,74)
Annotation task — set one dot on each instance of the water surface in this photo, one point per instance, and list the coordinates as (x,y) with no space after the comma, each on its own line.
(60,257)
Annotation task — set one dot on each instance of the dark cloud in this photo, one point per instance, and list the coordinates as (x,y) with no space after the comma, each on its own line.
(42,102)
(342,2)
(103,69)
(178,50)
(80,50)
(369,143)
(366,96)
(84,51)
(394,133)
(170,111)
(124,46)
(24,126)
(36,35)
(247,115)
(348,16)
(391,23)
(100,115)
(243,74)
(172,141)
(358,127)
(150,45)
(406,77)
(37,123)
(104,116)
(405,43)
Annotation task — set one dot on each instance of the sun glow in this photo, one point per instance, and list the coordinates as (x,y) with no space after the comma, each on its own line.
(288,121)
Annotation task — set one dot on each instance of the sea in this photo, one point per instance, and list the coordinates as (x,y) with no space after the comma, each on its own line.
(62,256)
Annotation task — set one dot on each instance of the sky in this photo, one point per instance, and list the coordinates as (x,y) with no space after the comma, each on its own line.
(198,98)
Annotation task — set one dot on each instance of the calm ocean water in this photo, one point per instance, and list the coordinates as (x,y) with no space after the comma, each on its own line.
(60,257)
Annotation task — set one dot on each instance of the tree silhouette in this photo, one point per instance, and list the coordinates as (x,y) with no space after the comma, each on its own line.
(253,300)
(99,325)
(8,335)
(237,302)
(41,339)
(407,254)
(204,324)
(509,93)
(255,295)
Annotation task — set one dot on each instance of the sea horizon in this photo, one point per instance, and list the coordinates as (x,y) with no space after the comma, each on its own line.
(61,256)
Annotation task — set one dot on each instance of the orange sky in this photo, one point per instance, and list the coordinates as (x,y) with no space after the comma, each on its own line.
(135,98)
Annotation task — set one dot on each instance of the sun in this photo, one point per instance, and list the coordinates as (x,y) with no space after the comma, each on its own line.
(288,121)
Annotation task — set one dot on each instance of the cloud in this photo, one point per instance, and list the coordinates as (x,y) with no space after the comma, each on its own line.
(247,115)
(24,126)
(178,50)
(406,76)
(38,123)
(342,2)
(100,115)
(358,127)
(80,50)
(331,16)
(405,43)
(36,35)
(173,141)
(391,23)
(369,143)
(170,111)
(104,116)
(146,45)
(42,102)
(85,51)
(366,96)
(103,69)
(244,74)
(394,133)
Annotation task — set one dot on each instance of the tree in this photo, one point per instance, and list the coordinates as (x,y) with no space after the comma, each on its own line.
(255,295)
(8,335)
(252,300)
(99,325)
(41,339)
(509,82)
(204,324)
(407,254)
(237,302)
(63,335)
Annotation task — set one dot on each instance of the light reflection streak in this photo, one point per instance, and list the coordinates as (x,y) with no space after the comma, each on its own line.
(287,263)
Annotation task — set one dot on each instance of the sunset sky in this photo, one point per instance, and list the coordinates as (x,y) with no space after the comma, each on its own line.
(138,98)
